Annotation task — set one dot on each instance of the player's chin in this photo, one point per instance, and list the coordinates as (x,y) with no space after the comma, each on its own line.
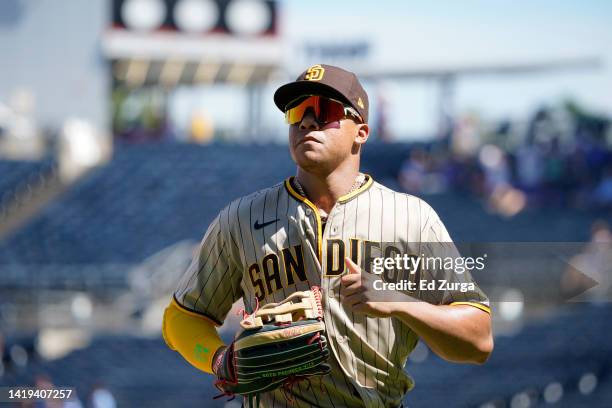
(310,151)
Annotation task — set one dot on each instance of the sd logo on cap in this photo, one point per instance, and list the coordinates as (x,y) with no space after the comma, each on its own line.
(314,73)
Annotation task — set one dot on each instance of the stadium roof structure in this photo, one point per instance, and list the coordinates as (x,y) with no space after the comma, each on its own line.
(169,43)
(482,69)
(169,59)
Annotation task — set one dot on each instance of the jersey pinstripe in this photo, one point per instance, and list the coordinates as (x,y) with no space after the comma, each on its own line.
(271,243)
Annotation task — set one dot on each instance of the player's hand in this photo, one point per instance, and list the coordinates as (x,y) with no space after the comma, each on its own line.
(358,293)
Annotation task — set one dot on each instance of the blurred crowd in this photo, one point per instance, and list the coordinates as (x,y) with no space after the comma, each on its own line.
(560,157)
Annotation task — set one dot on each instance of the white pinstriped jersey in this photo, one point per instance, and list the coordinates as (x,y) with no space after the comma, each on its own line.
(271,243)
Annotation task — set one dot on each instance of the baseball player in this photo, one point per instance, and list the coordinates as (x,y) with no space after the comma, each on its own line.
(318,228)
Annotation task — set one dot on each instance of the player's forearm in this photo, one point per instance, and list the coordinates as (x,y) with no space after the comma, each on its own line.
(456,333)
(192,336)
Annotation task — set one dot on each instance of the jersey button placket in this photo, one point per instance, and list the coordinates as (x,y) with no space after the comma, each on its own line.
(312,229)
(331,231)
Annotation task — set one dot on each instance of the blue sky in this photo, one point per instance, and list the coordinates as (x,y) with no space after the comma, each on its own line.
(444,33)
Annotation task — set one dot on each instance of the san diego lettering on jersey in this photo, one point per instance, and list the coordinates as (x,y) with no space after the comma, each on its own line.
(277,271)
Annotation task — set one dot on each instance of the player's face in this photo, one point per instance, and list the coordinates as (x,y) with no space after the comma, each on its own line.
(321,148)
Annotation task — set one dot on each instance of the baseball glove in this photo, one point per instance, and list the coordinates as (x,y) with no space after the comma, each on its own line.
(277,345)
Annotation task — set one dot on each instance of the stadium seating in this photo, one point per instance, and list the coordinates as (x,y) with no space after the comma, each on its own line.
(560,350)
(16,175)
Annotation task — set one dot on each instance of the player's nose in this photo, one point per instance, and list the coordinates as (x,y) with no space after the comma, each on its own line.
(309,121)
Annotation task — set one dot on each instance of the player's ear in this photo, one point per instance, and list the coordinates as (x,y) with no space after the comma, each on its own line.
(363,132)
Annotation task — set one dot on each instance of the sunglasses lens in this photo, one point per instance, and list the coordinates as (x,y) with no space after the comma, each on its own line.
(295,114)
(325,110)
(330,111)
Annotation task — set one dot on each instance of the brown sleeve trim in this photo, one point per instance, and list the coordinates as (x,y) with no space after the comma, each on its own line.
(474,304)
(195,313)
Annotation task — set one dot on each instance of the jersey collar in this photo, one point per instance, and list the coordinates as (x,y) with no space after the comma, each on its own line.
(345,198)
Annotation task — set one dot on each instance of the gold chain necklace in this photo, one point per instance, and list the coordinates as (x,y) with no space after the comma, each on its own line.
(359,181)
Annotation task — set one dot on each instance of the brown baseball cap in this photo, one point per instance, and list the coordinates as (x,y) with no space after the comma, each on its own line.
(325,80)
